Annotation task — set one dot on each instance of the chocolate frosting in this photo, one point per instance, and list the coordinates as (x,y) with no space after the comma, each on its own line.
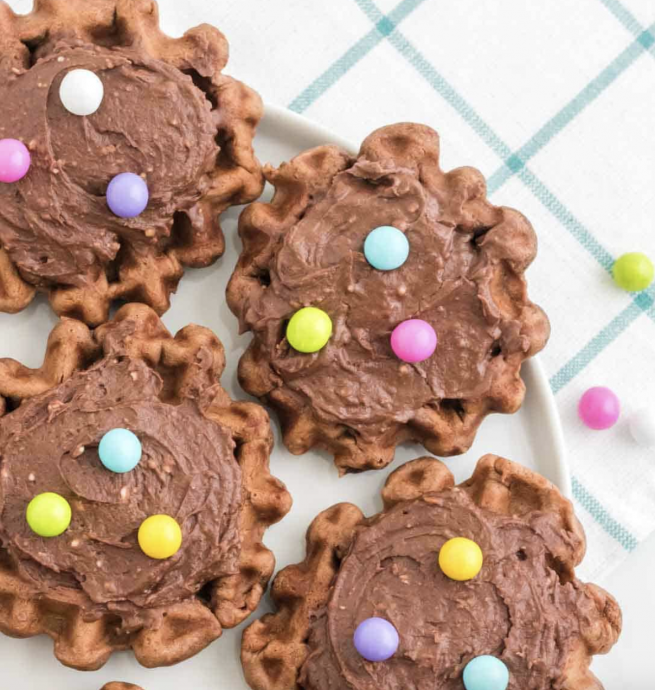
(154,121)
(524,607)
(188,471)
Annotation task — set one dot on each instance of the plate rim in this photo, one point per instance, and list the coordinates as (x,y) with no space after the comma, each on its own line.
(532,369)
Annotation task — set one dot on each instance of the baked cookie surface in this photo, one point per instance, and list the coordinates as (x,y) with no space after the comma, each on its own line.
(168,115)
(204,464)
(525,607)
(463,276)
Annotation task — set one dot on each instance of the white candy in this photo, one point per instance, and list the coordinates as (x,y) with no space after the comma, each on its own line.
(81,92)
(642,426)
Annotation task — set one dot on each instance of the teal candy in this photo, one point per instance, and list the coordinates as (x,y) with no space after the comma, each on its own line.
(486,673)
(386,248)
(120,450)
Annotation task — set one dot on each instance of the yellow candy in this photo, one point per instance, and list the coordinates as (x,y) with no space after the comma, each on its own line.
(160,537)
(309,329)
(460,559)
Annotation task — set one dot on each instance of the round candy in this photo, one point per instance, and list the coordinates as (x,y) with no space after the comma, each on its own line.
(15,160)
(309,329)
(633,272)
(485,673)
(120,450)
(376,639)
(460,559)
(160,536)
(642,426)
(127,195)
(386,248)
(81,92)
(599,408)
(413,340)
(48,514)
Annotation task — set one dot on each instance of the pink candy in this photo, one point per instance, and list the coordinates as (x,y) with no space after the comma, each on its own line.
(15,160)
(413,340)
(599,408)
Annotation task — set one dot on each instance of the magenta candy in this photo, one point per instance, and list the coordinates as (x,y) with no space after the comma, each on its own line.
(599,408)
(413,340)
(15,160)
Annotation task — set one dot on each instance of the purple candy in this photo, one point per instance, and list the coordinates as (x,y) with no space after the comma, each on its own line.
(599,408)
(127,195)
(376,639)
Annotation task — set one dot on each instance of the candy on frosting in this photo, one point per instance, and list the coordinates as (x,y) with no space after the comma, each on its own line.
(81,92)
(48,514)
(15,160)
(127,195)
(376,639)
(460,559)
(386,248)
(485,672)
(120,450)
(309,330)
(413,341)
(160,536)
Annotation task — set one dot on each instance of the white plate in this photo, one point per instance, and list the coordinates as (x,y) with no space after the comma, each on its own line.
(532,436)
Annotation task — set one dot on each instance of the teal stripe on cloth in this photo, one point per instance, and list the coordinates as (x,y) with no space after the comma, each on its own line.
(449,93)
(384,26)
(567,114)
(593,506)
(650,312)
(601,341)
(332,75)
(370,9)
(400,12)
(567,219)
(623,14)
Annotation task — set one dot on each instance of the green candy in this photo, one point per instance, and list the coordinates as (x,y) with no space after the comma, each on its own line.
(633,272)
(48,514)
(309,329)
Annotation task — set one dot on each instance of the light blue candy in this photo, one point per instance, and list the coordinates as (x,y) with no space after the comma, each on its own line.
(486,673)
(120,450)
(386,248)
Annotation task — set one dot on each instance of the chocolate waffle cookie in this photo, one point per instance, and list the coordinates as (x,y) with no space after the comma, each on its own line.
(168,116)
(204,465)
(340,382)
(521,608)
